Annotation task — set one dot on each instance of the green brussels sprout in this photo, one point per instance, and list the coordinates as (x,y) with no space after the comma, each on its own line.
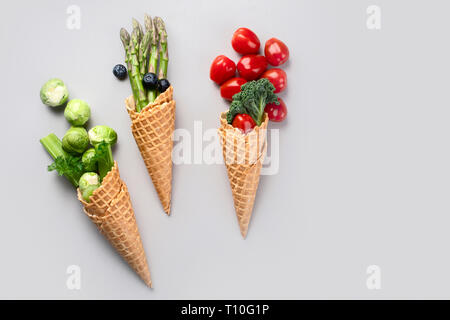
(54,93)
(89,160)
(77,112)
(88,183)
(99,134)
(76,140)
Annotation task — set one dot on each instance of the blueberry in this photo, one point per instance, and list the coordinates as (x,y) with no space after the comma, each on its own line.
(163,85)
(120,71)
(150,81)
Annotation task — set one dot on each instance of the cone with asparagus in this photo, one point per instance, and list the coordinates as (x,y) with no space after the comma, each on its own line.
(86,160)
(242,134)
(151,106)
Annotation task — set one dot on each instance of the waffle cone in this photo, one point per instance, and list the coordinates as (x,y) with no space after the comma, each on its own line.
(243,155)
(153,129)
(111,210)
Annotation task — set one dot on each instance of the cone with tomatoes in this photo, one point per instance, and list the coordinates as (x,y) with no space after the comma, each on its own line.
(243,135)
(151,106)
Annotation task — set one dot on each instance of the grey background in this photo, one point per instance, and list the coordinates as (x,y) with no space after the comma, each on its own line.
(364,155)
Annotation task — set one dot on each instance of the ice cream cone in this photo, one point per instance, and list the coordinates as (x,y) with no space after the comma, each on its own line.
(243,155)
(153,129)
(111,210)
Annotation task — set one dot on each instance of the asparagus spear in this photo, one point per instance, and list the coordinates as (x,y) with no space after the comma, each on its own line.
(163,52)
(153,63)
(143,54)
(137,26)
(141,99)
(144,48)
(144,41)
(125,37)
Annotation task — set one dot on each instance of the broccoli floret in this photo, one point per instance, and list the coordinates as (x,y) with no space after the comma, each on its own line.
(235,108)
(252,100)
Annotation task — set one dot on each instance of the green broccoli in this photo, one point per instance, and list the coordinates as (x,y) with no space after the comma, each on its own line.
(252,100)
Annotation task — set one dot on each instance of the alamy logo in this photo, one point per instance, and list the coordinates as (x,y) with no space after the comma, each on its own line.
(373,17)
(373,281)
(204,147)
(73,21)
(74,279)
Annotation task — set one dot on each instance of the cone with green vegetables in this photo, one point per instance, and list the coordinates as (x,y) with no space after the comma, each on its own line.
(244,152)
(151,106)
(100,189)
(110,208)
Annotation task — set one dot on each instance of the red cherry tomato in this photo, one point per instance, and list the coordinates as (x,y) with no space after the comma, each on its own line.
(231,87)
(276,52)
(222,69)
(245,41)
(251,66)
(244,122)
(277,77)
(275,112)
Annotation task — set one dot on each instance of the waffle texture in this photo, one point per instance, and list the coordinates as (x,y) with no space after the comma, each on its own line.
(153,129)
(111,210)
(243,155)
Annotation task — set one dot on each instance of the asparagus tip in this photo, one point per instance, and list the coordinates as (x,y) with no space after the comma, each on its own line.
(124,33)
(137,26)
(125,37)
(147,22)
(160,26)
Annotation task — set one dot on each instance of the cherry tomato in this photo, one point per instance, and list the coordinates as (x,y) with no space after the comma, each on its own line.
(244,122)
(245,41)
(276,52)
(277,77)
(231,87)
(222,69)
(275,112)
(251,66)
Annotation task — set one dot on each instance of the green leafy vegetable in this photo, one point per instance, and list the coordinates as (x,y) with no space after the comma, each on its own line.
(102,138)
(68,165)
(104,157)
(252,100)
(65,164)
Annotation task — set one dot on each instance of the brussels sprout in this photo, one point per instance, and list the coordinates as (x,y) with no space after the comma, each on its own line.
(89,160)
(89,182)
(76,140)
(54,93)
(77,112)
(99,134)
